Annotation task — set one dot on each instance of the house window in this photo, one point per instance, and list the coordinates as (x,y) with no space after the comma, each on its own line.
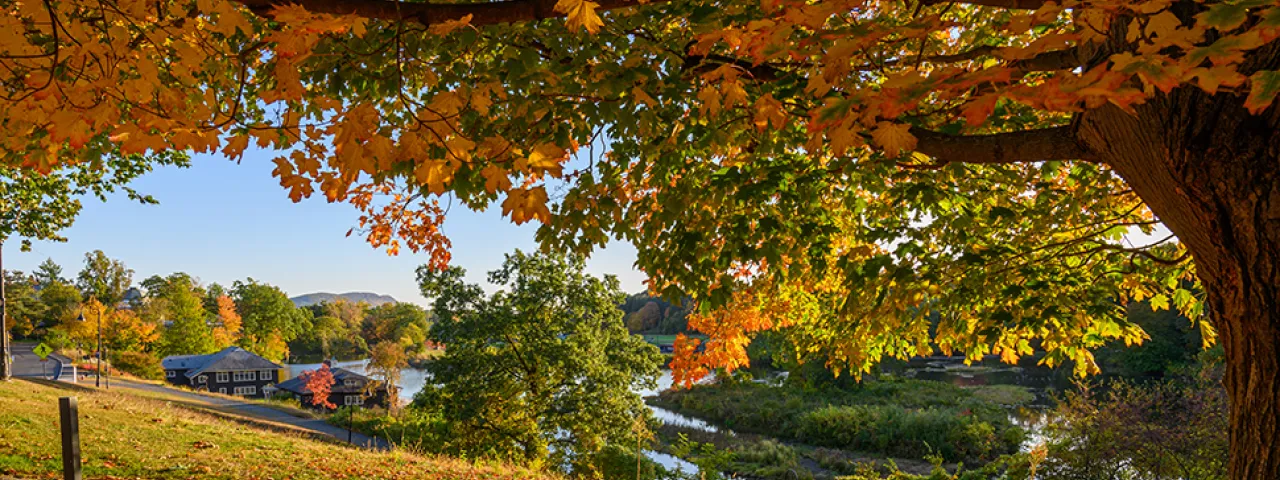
(266,375)
(244,376)
(352,400)
(222,391)
(351,383)
(202,378)
(170,373)
(221,377)
(247,391)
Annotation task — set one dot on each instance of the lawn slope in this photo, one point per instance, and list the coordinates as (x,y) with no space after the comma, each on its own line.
(123,435)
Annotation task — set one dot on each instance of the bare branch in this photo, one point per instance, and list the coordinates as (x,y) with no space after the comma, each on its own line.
(482,13)
(1058,143)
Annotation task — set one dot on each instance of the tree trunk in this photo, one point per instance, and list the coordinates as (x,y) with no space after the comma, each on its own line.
(1211,172)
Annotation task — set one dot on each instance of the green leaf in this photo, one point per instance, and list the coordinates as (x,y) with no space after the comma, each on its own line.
(1160,302)
(1263,87)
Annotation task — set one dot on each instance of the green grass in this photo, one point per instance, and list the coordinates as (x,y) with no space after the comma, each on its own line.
(123,435)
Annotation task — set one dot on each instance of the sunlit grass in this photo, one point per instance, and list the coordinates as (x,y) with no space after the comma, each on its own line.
(124,435)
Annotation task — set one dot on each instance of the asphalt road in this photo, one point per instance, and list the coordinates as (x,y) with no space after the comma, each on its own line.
(256,410)
(26,363)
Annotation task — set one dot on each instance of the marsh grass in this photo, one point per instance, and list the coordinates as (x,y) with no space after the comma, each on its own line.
(907,418)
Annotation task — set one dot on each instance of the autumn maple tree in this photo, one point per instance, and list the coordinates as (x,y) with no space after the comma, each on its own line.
(320,383)
(228,323)
(840,169)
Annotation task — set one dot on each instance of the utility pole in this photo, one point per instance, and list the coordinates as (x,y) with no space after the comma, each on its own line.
(5,372)
(98,381)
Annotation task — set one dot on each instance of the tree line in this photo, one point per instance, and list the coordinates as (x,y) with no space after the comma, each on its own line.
(177,314)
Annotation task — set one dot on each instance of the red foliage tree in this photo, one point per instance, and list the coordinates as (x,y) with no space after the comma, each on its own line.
(318,382)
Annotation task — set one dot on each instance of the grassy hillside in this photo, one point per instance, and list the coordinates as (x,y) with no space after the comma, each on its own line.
(135,437)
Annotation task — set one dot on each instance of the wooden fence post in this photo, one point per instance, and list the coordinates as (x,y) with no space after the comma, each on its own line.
(70,438)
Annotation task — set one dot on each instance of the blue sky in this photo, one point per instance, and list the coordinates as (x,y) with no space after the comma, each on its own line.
(222,222)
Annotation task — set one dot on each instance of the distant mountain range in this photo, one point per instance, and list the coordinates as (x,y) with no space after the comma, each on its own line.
(372,299)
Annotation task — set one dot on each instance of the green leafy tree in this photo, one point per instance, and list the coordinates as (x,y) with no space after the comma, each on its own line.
(179,308)
(48,272)
(544,360)
(104,278)
(161,287)
(61,301)
(24,307)
(36,204)
(403,323)
(385,363)
(211,295)
(268,317)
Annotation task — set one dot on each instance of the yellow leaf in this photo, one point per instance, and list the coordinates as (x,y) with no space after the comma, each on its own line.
(235,147)
(1217,76)
(527,204)
(843,138)
(643,97)
(495,179)
(1163,24)
(581,13)
(433,174)
(448,26)
(710,97)
(894,138)
(358,25)
(547,157)
(769,111)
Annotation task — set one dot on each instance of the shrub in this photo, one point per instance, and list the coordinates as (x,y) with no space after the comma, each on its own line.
(413,429)
(615,461)
(1168,430)
(57,338)
(952,433)
(138,364)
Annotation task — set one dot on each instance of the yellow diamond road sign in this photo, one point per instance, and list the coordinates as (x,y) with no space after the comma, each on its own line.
(42,351)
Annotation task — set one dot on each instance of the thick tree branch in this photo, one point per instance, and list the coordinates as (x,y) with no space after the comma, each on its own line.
(1058,143)
(1052,60)
(482,13)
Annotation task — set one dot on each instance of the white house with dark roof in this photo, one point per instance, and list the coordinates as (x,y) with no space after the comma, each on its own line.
(232,371)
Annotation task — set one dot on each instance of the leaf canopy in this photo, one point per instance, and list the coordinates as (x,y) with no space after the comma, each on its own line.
(845,169)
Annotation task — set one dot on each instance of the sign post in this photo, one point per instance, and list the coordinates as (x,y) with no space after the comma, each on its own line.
(70,424)
(43,352)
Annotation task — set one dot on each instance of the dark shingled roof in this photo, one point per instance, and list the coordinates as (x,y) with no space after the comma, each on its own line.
(227,360)
(340,375)
(182,362)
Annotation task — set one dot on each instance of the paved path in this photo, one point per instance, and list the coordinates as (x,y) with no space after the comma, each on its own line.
(22,355)
(256,410)
(27,364)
